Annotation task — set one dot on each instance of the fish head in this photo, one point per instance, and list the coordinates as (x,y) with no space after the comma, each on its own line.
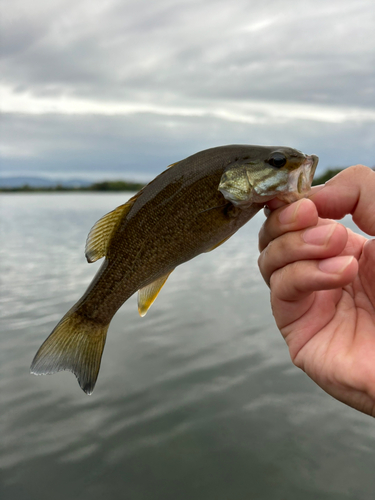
(266,173)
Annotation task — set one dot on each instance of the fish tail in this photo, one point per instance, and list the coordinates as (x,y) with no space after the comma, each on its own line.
(76,344)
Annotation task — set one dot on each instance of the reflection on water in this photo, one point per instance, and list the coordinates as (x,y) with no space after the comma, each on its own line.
(196,400)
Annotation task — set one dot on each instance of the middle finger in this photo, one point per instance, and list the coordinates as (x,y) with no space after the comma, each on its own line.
(318,242)
(293,217)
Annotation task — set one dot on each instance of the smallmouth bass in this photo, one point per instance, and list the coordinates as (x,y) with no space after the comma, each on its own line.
(194,206)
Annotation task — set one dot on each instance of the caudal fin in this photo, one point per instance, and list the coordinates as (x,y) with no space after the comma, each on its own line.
(76,344)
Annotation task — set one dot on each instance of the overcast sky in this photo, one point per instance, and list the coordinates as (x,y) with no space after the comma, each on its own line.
(122,88)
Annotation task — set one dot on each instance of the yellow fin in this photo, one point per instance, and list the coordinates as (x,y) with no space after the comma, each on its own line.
(148,294)
(100,235)
(173,164)
(218,244)
(76,344)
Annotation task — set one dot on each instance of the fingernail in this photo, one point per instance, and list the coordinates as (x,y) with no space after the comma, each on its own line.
(335,265)
(318,235)
(267,211)
(289,214)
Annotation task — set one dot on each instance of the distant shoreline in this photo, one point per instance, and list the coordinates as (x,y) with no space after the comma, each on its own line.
(119,186)
(105,186)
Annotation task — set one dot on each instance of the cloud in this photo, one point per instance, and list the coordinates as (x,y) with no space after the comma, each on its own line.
(245,111)
(140,146)
(180,75)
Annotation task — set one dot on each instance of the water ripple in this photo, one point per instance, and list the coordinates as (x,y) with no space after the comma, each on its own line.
(199,394)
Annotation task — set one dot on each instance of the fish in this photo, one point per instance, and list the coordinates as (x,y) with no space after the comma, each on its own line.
(193,206)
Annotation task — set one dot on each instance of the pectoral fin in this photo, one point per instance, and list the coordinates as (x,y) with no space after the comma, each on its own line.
(148,294)
(100,235)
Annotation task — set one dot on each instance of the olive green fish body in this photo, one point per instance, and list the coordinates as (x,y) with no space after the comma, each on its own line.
(190,208)
(175,218)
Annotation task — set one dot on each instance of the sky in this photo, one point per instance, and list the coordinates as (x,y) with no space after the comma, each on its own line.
(100,89)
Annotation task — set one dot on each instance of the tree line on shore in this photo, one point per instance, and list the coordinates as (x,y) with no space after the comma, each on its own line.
(96,186)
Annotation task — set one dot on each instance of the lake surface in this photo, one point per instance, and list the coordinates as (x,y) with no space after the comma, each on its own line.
(197,400)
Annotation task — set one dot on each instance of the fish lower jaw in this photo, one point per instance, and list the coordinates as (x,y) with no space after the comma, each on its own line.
(291,197)
(299,181)
(255,199)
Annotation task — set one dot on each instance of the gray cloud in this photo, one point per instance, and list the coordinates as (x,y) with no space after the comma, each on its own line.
(216,58)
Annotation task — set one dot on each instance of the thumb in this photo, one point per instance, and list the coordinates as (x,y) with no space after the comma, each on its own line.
(349,192)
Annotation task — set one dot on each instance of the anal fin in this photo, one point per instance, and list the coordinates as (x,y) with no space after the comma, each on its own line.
(148,294)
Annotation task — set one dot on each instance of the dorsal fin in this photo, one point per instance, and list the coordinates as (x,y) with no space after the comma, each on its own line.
(100,235)
(173,164)
(148,294)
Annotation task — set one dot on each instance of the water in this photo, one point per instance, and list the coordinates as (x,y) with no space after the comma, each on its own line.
(197,400)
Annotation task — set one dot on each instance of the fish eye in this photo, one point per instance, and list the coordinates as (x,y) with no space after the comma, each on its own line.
(277,160)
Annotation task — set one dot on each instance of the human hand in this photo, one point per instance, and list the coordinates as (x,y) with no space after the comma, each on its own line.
(322,281)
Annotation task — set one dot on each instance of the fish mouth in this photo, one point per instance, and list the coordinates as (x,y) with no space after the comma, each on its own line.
(238,186)
(309,167)
(299,182)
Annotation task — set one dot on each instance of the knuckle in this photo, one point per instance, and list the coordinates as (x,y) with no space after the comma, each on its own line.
(262,239)
(357,171)
(277,283)
(263,267)
(360,171)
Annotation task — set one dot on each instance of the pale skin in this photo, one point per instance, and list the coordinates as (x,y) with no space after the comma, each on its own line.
(322,281)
